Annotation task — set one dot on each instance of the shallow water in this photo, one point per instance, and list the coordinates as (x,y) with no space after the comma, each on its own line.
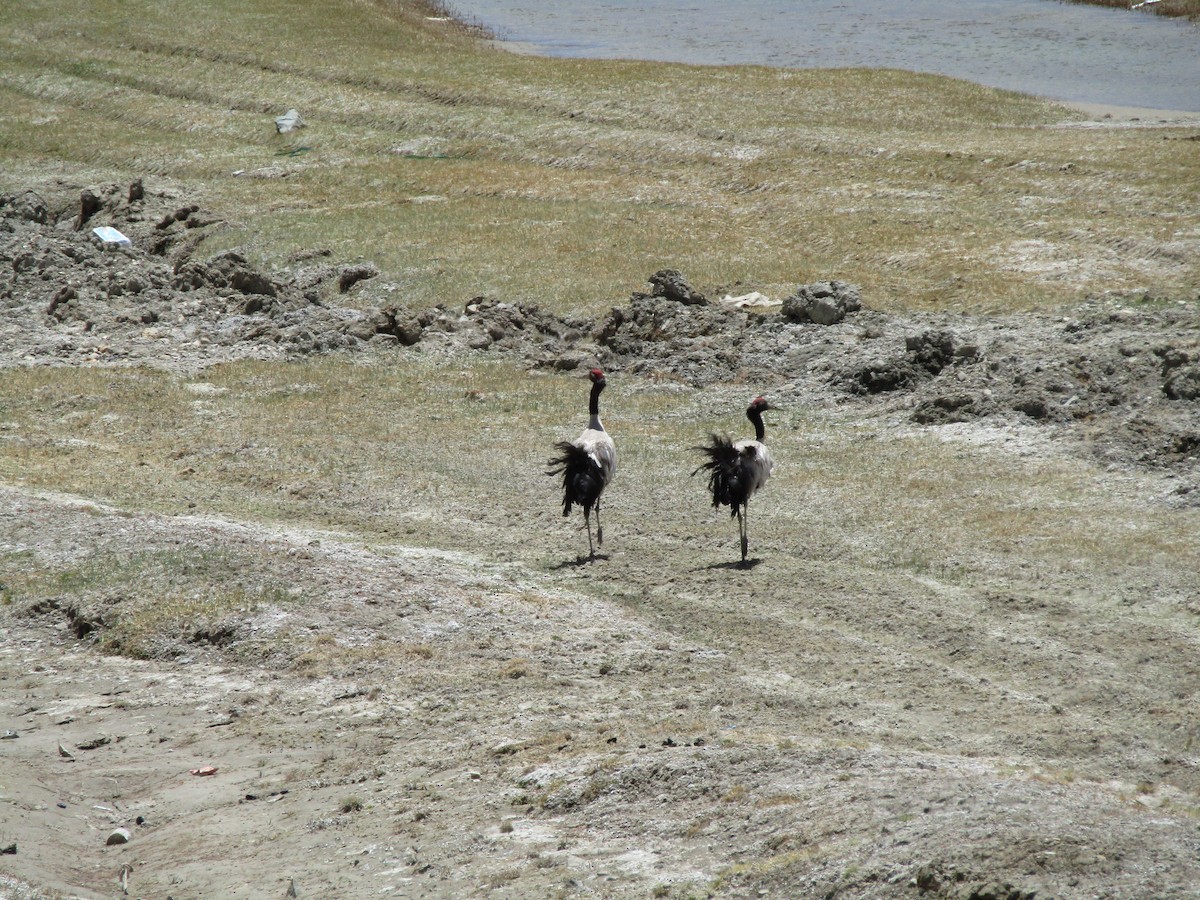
(1058,50)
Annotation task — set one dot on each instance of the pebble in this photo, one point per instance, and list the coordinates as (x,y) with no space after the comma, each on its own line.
(119,836)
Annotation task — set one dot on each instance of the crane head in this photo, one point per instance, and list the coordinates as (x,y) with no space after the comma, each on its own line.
(597,376)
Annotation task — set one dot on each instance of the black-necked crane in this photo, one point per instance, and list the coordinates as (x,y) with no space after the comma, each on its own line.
(737,469)
(587,465)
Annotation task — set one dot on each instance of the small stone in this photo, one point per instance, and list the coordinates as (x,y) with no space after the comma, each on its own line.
(119,836)
(389,322)
(567,362)
(822,302)
(289,121)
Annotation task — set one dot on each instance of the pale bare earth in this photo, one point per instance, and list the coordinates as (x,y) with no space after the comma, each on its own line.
(1110,115)
(840,718)
(808,737)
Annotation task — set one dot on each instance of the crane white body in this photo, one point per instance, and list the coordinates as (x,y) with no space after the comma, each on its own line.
(599,446)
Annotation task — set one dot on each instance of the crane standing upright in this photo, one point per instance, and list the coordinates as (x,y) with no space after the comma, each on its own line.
(587,465)
(738,469)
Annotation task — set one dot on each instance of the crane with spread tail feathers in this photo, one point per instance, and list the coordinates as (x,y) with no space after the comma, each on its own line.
(587,465)
(737,469)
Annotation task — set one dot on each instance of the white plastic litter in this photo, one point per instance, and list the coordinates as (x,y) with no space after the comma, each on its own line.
(110,235)
(746,301)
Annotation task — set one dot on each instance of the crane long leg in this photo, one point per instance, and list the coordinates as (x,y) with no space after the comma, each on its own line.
(599,527)
(587,521)
(744,528)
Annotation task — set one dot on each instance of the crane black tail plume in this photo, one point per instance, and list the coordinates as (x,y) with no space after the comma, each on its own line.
(583,480)
(726,478)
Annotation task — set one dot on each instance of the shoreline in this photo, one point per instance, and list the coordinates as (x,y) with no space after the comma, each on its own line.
(1112,113)
(1097,112)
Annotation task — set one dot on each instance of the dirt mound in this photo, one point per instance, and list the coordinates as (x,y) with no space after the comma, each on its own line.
(69,296)
(1122,375)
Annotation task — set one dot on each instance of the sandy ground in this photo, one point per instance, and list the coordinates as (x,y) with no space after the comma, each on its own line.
(1108,114)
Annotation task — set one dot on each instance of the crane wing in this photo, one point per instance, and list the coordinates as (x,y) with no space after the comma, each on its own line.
(600,447)
(758,462)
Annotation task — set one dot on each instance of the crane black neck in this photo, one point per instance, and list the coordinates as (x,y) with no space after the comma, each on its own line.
(594,407)
(594,400)
(760,431)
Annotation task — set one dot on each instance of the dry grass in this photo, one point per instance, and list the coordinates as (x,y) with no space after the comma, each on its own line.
(339,445)
(325,657)
(932,579)
(768,866)
(154,604)
(462,170)
(335,445)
